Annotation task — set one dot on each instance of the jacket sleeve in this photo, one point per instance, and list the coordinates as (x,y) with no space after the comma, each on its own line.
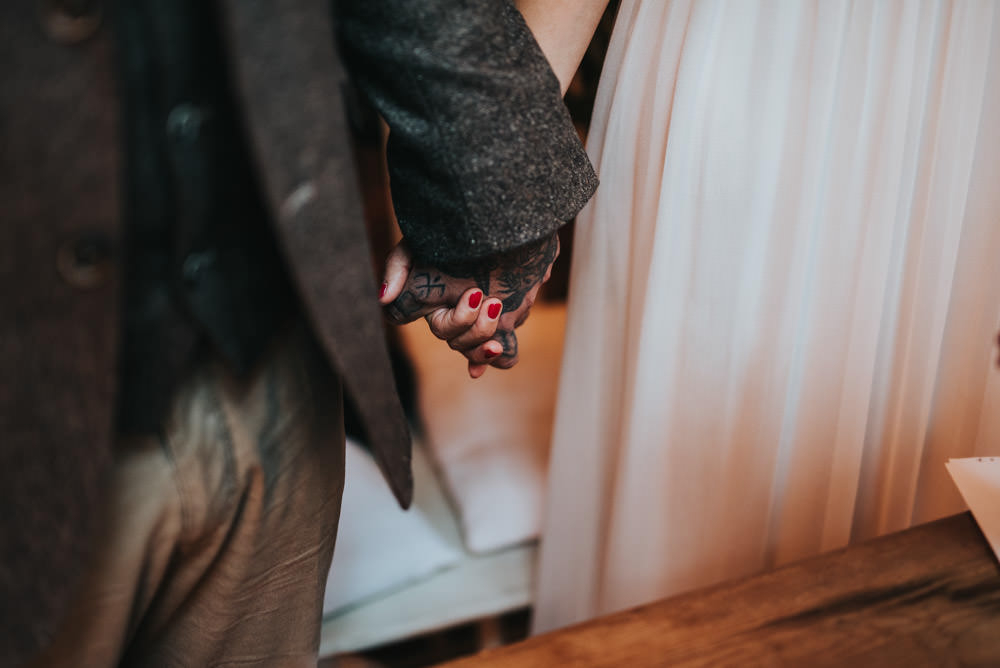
(483,156)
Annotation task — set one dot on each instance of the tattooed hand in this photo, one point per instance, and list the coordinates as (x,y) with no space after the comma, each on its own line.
(476,306)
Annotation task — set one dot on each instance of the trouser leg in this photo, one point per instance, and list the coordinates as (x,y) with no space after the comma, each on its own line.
(221,531)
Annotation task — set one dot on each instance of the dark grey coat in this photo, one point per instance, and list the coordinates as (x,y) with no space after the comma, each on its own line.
(483,158)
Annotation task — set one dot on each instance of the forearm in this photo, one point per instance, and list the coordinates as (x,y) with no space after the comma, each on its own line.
(483,157)
(563,29)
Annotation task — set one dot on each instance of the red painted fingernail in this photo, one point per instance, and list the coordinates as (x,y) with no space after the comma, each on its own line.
(475,298)
(381,293)
(494,310)
(489,354)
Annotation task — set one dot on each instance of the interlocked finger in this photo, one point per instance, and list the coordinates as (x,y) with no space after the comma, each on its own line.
(481,330)
(426,291)
(449,323)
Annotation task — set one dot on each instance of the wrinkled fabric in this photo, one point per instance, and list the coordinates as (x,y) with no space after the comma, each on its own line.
(784,297)
(221,530)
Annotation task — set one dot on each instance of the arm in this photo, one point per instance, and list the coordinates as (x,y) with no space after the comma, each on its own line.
(563,29)
(484,161)
(483,157)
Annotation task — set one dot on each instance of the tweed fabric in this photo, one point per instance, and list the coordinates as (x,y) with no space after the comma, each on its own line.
(201,259)
(482,154)
(58,188)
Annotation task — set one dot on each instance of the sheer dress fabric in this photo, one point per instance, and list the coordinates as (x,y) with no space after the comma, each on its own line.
(784,296)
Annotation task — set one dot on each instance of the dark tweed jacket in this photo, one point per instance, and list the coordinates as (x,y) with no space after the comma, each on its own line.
(483,158)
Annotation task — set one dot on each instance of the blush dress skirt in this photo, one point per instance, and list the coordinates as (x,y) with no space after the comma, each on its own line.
(784,297)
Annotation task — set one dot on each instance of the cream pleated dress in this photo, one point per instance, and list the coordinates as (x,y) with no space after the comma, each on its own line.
(784,296)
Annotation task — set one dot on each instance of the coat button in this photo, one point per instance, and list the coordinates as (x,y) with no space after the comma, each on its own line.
(85,262)
(195,266)
(184,123)
(70,21)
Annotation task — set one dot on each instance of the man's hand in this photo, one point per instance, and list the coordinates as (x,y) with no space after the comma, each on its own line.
(475,306)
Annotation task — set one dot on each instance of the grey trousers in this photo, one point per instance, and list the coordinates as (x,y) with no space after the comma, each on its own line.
(220,532)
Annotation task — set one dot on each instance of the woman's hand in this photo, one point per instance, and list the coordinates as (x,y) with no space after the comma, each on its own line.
(475,307)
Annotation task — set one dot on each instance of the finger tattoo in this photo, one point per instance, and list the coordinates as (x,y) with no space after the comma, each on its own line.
(509,342)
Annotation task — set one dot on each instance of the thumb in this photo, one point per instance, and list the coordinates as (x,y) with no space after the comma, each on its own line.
(397,269)
(424,291)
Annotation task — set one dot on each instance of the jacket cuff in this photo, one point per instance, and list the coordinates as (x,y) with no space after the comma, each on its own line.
(483,156)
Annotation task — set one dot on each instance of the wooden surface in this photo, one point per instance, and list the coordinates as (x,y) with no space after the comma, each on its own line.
(928,596)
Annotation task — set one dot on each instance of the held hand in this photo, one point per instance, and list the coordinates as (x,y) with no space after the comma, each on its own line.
(474,307)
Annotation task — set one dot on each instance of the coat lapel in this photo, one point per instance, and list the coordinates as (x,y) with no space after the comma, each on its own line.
(289,76)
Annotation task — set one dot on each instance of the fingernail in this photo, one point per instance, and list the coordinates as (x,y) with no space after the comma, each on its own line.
(490,354)
(381,293)
(475,298)
(494,310)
